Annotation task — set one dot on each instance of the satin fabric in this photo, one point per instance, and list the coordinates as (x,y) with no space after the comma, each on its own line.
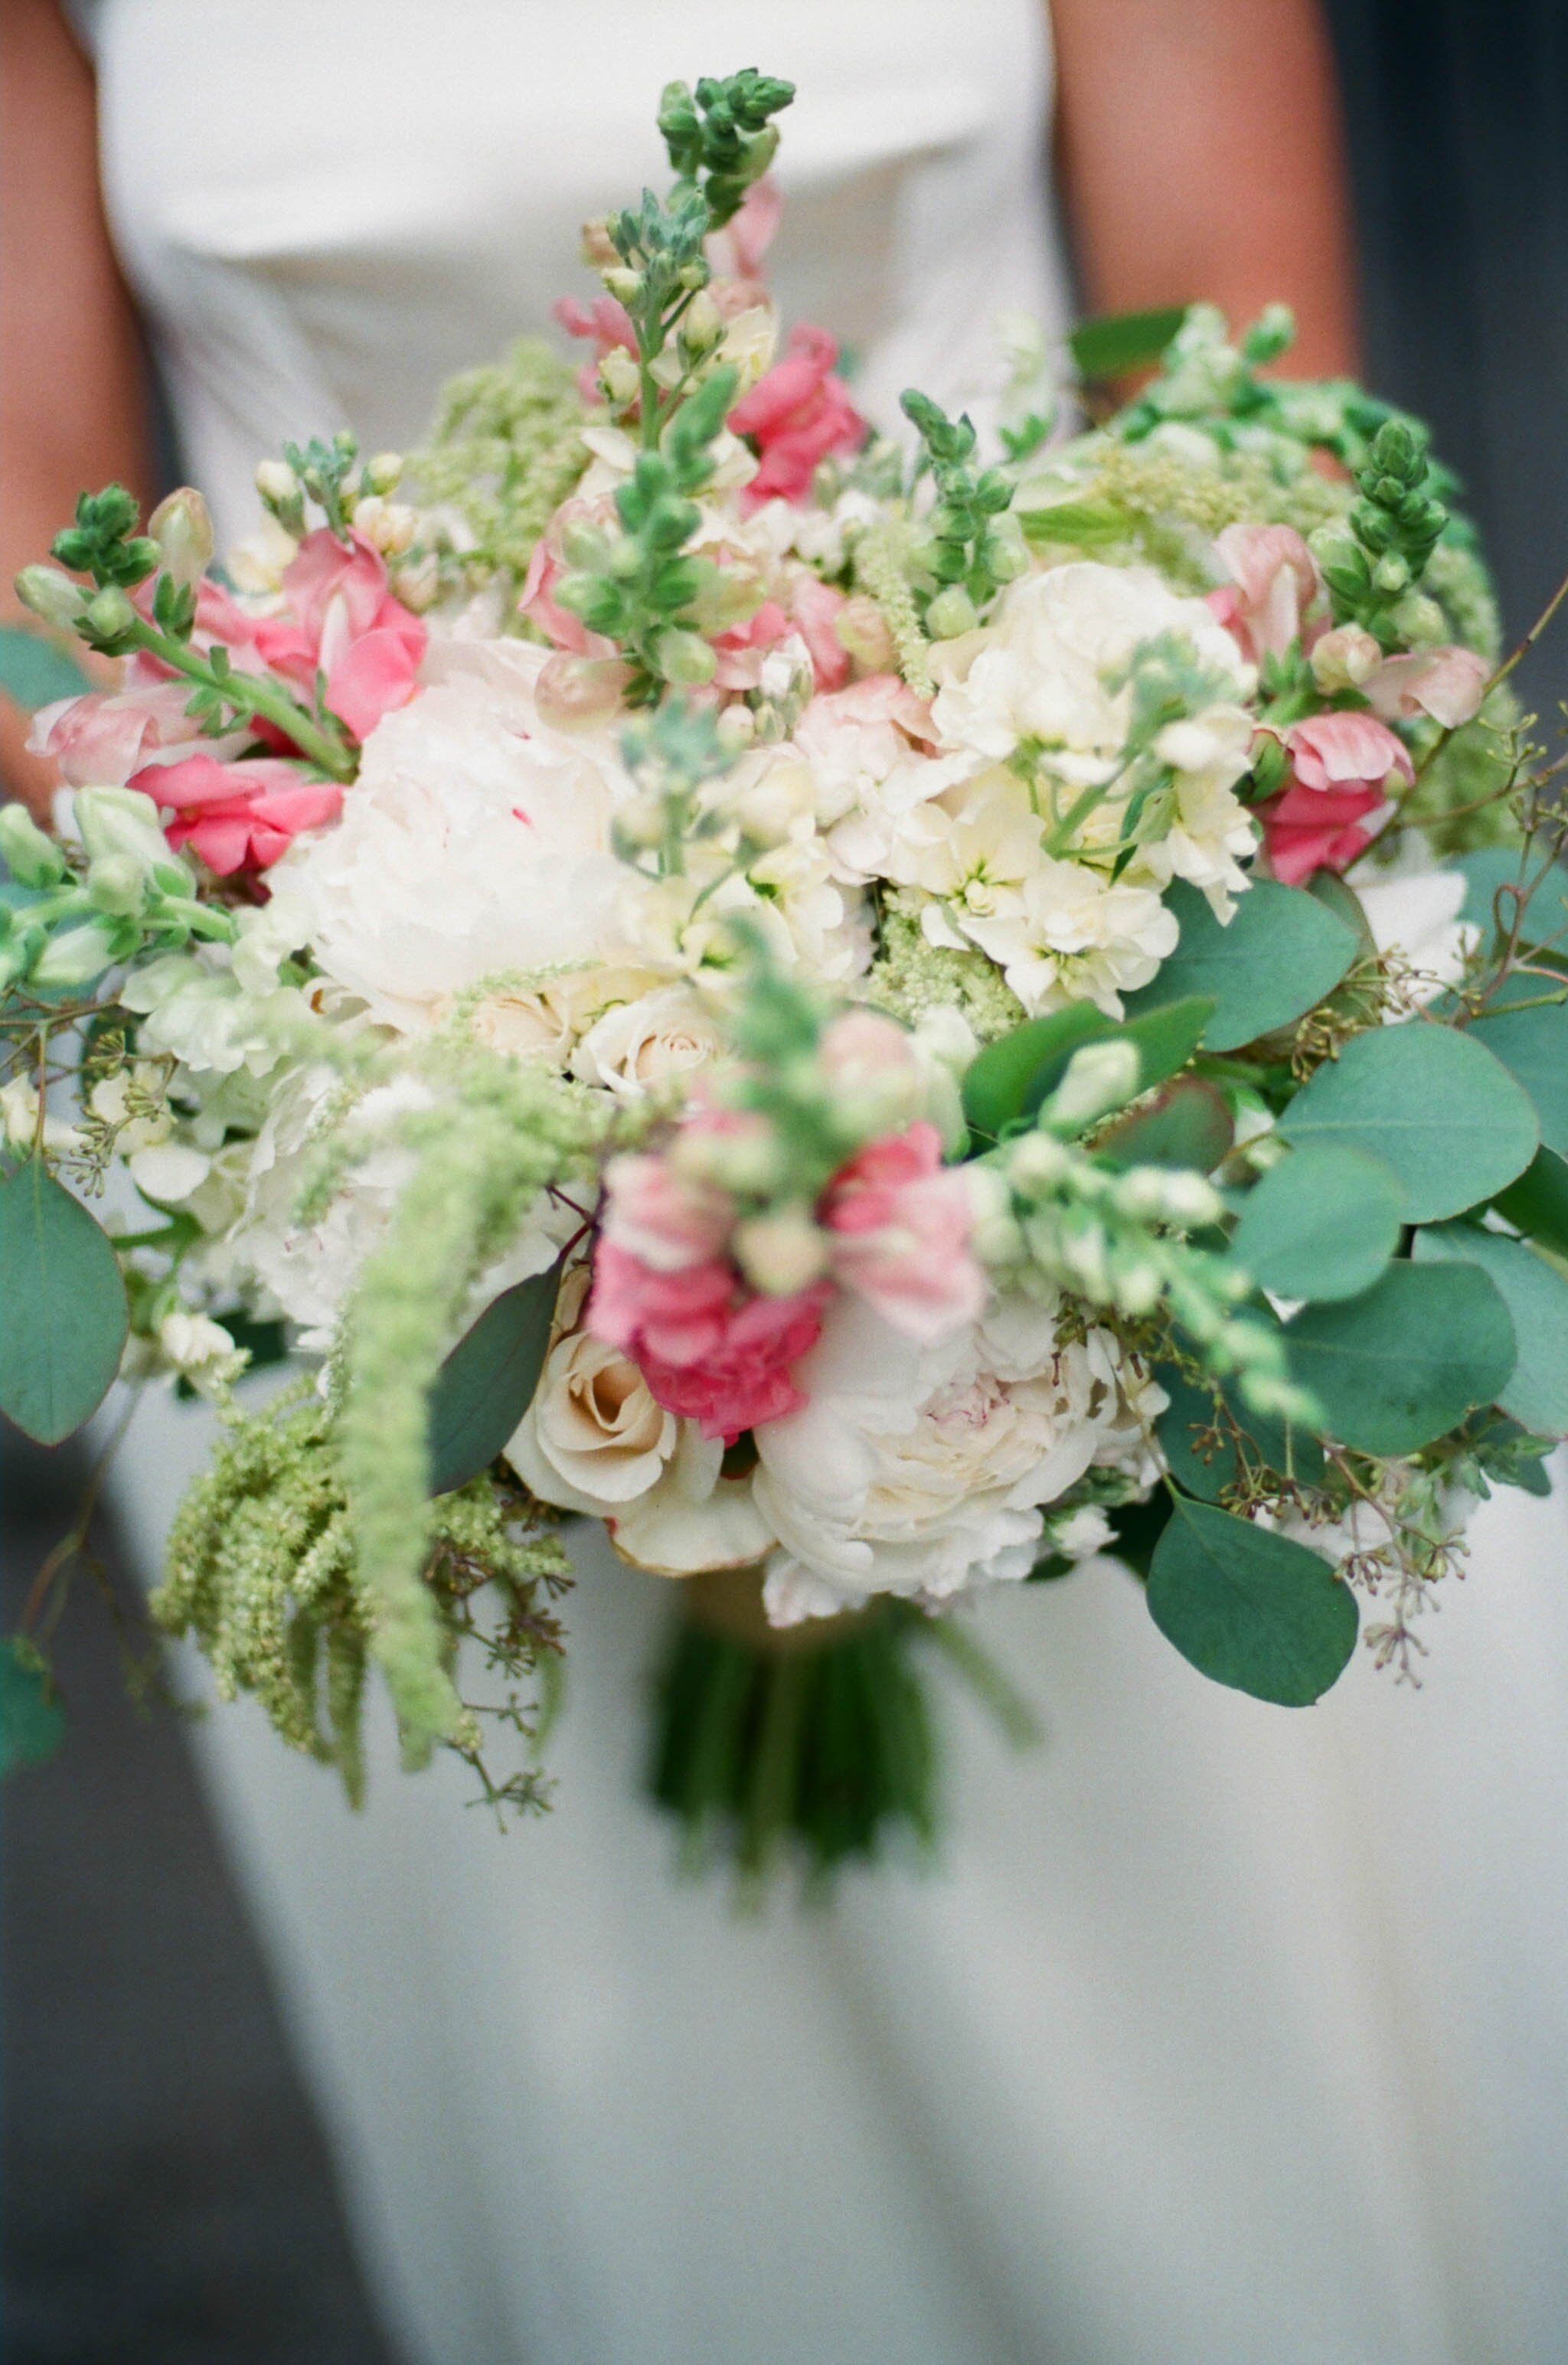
(1224,2034)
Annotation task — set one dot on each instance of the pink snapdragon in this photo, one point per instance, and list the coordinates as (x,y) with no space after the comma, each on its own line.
(546,564)
(1341,768)
(1274,583)
(900,1223)
(816,608)
(606,324)
(101,738)
(239,816)
(340,619)
(709,1348)
(796,415)
(736,252)
(1446,683)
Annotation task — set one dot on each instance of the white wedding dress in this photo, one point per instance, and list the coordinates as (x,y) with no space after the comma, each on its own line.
(1224,2035)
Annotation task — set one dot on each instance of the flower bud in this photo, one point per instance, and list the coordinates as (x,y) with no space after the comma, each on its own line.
(578,693)
(640,821)
(1392,574)
(276,483)
(121,822)
(181,528)
(32,858)
(109,614)
(1100,1077)
(736,727)
(770,808)
(387,526)
(383,473)
(617,374)
(1344,658)
(1037,1162)
(684,658)
(51,594)
(78,954)
(117,885)
(951,613)
(596,247)
(621,281)
(862,628)
(781,1253)
(702,325)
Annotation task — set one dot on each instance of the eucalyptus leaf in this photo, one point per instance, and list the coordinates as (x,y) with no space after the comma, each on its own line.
(1406,1362)
(32,1722)
(1204,1440)
(1251,1609)
(1187,1125)
(1432,1102)
(1012,1076)
(1537,1205)
(1118,342)
(1533,1046)
(34,671)
(1536,1296)
(1275,958)
(1323,1224)
(1488,868)
(65,1317)
(487,1383)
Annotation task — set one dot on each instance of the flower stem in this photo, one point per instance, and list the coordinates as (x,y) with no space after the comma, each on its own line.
(248,695)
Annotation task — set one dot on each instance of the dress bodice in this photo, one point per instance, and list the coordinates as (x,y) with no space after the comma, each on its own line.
(326,211)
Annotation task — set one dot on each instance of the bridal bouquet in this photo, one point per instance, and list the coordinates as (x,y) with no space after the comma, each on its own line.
(881,1016)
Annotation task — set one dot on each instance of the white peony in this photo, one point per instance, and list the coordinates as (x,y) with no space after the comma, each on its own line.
(922,1472)
(476,842)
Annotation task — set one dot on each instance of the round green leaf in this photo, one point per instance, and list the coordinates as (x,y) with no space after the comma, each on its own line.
(1273,960)
(1432,1104)
(1012,1076)
(1537,1298)
(1188,1125)
(1321,1224)
(1533,1046)
(34,671)
(65,1319)
(1488,868)
(1249,1608)
(487,1383)
(1407,1360)
(1201,1445)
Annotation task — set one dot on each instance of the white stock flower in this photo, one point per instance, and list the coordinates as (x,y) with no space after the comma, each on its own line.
(922,1472)
(475,842)
(198,1349)
(1041,669)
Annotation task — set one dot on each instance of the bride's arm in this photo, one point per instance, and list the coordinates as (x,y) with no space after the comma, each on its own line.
(1201,152)
(71,408)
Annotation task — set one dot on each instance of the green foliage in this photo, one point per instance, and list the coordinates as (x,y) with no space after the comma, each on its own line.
(487,1383)
(104,542)
(1392,532)
(32,1721)
(1433,1104)
(262,1574)
(1275,958)
(967,547)
(34,671)
(722,137)
(65,1315)
(323,470)
(1216,1445)
(1538,1203)
(1251,1609)
(1014,1075)
(1118,342)
(1533,1046)
(505,450)
(1505,882)
(1188,1125)
(911,976)
(1322,1225)
(1398,1366)
(1536,1296)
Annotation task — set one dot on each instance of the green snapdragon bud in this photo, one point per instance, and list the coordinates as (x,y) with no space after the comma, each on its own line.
(108,619)
(32,858)
(79,954)
(951,613)
(50,595)
(684,658)
(117,885)
(180,525)
(121,822)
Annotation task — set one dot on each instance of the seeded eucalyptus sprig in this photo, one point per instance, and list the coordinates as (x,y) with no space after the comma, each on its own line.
(970,546)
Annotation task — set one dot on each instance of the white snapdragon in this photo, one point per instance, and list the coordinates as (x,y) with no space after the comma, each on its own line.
(199,1350)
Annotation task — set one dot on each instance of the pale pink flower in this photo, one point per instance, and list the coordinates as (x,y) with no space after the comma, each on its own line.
(666,1220)
(740,650)
(546,565)
(816,607)
(1274,582)
(736,252)
(239,816)
(100,739)
(862,1052)
(604,323)
(341,621)
(796,415)
(901,1224)
(1446,683)
(1340,765)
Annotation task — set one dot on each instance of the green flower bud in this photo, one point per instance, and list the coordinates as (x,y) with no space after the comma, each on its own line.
(78,954)
(116,822)
(625,284)
(1392,574)
(51,594)
(684,658)
(117,884)
(32,858)
(109,616)
(383,473)
(951,613)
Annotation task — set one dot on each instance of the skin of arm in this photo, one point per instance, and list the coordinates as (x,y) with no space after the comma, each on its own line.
(1201,154)
(71,403)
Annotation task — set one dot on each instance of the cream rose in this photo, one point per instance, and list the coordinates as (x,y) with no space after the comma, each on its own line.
(638,1046)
